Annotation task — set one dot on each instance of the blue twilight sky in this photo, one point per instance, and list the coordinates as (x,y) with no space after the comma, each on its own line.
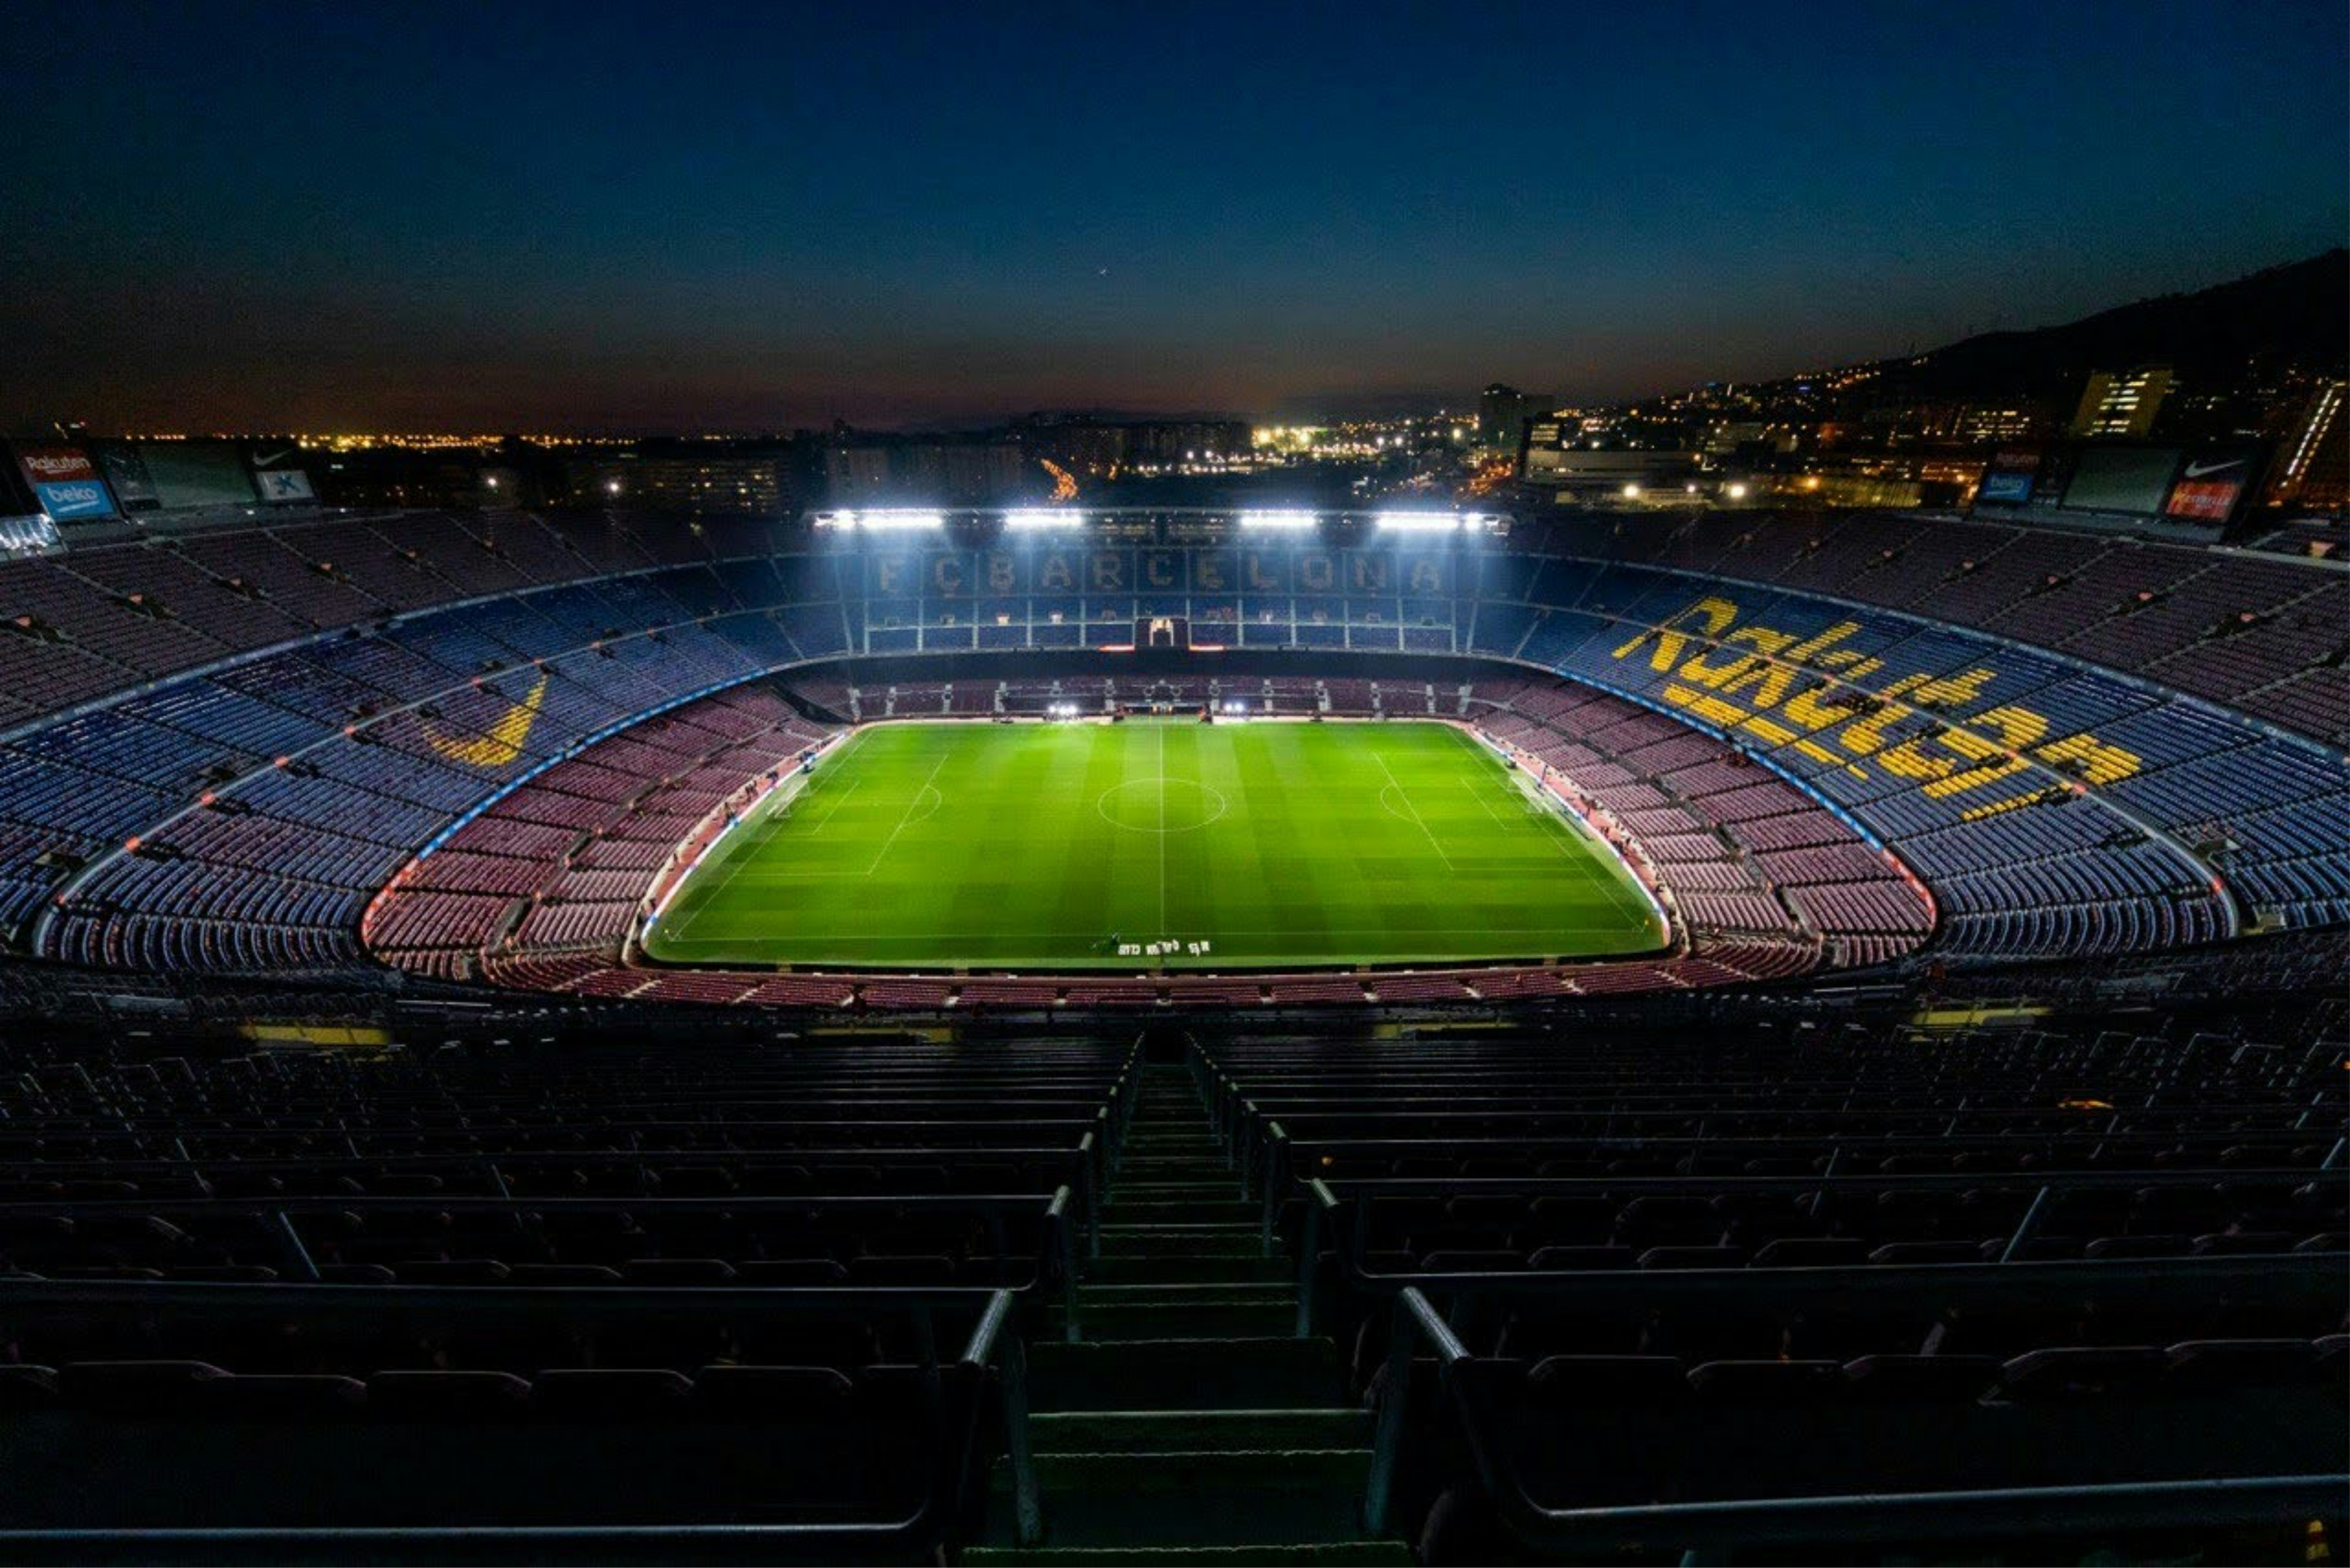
(597,215)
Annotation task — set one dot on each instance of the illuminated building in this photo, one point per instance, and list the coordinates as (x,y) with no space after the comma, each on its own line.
(2122,403)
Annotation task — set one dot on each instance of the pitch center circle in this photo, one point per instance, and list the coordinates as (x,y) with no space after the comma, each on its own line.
(1160,805)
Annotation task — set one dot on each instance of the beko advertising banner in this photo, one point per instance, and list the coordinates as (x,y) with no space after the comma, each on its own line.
(65,482)
(2007,480)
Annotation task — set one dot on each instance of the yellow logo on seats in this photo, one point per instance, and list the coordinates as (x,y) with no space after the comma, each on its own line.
(499,744)
(1812,694)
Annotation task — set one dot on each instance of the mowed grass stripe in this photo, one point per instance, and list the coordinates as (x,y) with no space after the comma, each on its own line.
(959,844)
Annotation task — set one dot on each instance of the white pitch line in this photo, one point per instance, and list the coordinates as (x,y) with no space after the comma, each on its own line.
(1162,834)
(741,855)
(906,819)
(739,851)
(837,802)
(1478,795)
(1404,795)
(1571,828)
(1426,931)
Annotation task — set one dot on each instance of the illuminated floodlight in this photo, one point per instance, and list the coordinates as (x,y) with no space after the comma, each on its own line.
(887,520)
(1044,517)
(1631,492)
(1419,522)
(1285,520)
(612,486)
(1736,493)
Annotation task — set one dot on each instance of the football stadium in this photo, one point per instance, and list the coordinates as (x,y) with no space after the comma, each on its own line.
(1434,1036)
(783,784)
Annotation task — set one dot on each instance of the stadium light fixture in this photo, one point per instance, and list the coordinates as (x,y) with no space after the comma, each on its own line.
(1736,493)
(882,521)
(1419,522)
(1032,518)
(1292,520)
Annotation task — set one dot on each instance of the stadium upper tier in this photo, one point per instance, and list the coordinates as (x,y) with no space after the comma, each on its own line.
(225,745)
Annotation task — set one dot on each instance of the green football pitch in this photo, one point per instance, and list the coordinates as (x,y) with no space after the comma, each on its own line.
(1080,845)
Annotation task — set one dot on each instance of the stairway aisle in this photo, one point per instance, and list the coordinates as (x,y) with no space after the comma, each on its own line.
(1192,1425)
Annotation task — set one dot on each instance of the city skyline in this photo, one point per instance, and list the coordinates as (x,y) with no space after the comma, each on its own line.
(265,217)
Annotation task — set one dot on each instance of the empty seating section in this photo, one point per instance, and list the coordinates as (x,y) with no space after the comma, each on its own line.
(364,744)
(610,1286)
(520,877)
(2043,801)
(1657,1268)
(2235,627)
(1659,781)
(617,839)
(297,708)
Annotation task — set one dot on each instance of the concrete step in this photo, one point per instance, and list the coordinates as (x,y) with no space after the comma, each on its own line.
(1196,1431)
(1181,1242)
(1307,1553)
(1212,1210)
(1263,1293)
(1260,1372)
(1213,1499)
(1224,1185)
(1178,1268)
(1157,1319)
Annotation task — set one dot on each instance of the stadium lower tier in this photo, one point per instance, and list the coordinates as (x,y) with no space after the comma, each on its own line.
(1784,755)
(507,900)
(1549,1291)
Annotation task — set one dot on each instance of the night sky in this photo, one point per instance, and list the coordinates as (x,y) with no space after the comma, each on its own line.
(592,216)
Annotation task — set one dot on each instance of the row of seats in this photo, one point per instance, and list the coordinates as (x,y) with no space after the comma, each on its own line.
(1784,1262)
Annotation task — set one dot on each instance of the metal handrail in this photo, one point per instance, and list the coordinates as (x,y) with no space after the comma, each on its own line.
(1691,1528)
(1902,1181)
(1948,1284)
(990,1342)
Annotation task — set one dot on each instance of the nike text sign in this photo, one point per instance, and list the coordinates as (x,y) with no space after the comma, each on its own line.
(2210,485)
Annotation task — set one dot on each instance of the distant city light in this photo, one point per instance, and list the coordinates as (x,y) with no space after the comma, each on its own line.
(1736,493)
(1631,492)
(612,486)
(1044,517)
(1419,522)
(1290,520)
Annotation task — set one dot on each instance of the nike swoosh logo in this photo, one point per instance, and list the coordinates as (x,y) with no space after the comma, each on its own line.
(261,461)
(2198,470)
(502,742)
